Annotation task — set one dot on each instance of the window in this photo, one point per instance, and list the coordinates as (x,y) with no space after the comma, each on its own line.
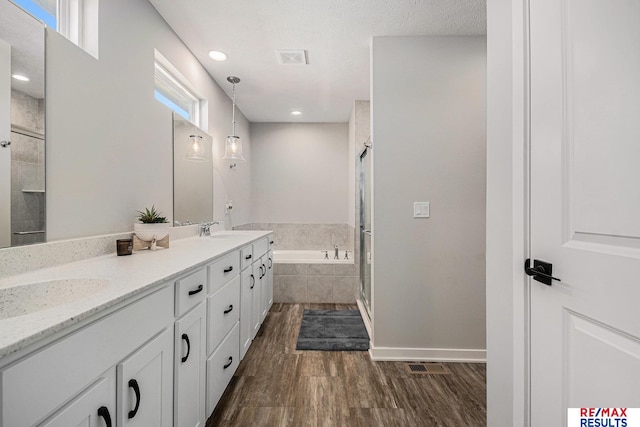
(175,91)
(44,10)
(77,20)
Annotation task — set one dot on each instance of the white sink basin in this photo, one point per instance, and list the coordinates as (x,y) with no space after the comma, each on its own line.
(32,297)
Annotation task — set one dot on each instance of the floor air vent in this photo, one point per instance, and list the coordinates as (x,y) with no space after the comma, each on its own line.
(426,368)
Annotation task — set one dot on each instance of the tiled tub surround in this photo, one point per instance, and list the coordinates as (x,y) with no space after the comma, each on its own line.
(127,276)
(307,236)
(312,281)
(298,279)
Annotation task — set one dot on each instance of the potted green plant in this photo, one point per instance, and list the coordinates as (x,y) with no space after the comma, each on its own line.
(152,227)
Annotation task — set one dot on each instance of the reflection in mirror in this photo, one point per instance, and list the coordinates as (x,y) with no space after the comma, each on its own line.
(192,173)
(22,189)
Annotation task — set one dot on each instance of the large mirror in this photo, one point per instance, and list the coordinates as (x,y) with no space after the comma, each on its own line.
(192,173)
(22,147)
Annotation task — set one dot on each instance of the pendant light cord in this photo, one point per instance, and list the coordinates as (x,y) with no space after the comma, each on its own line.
(234,109)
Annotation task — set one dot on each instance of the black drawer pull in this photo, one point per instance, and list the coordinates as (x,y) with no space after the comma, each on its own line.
(197,290)
(103,412)
(253,281)
(185,337)
(228,310)
(248,257)
(271,242)
(229,363)
(270,263)
(136,389)
(228,269)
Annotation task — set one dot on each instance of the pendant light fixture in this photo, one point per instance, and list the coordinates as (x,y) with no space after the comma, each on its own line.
(233,145)
(196,149)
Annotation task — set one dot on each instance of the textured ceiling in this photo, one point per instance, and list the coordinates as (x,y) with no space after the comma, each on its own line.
(336,34)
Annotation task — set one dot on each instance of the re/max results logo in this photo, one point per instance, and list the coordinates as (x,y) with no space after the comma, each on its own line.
(603,417)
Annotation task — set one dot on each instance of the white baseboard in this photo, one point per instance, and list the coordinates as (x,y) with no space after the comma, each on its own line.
(427,354)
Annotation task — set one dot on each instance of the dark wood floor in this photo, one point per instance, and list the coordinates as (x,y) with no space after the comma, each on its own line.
(276,385)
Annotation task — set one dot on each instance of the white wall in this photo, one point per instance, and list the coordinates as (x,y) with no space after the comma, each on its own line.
(428,120)
(109,147)
(299,172)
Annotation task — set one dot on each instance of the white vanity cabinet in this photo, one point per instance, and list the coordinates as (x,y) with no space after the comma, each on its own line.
(72,378)
(161,358)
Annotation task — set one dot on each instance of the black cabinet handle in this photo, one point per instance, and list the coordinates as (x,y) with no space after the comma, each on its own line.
(103,412)
(228,269)
(270,263)
(228,310)
(253,281)
(197,290)
(229,363)
(248,257)
(136,389)
(185,337)
(264,271)
(271,242)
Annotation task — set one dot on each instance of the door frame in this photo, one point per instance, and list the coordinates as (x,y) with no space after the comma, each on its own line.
(508,198)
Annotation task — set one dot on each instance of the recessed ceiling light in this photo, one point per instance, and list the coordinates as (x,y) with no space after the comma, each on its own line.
(216,55)
(296,113)
(20,77)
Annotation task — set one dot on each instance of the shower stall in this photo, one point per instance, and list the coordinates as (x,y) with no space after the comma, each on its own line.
(364,180)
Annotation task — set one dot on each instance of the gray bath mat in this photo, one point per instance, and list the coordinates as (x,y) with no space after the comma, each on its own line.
(332,330)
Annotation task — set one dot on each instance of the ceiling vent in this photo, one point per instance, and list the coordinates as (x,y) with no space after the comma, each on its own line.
(292,57)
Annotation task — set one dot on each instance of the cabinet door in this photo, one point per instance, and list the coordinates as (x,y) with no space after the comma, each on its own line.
(221,366)
(269,285)
(95,407)
(247,286)
(189,368)
(145,384)
(256,301)
(223,312)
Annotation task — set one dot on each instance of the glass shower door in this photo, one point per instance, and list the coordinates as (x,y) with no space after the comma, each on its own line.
(365,226)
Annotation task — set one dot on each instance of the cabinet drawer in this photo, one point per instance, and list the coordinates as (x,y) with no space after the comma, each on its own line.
(190,290)
(223,270)
(223,312)
(220,368)
(246,256)
(260,247)
(42,382)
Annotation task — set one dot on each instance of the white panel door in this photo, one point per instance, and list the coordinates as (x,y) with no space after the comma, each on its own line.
(585,205)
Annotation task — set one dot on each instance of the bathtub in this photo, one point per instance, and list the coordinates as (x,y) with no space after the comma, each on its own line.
(310,257)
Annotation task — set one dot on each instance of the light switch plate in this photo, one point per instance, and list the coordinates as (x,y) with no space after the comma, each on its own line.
(421,209)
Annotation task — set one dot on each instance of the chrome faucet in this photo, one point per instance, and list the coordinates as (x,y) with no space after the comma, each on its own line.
(336,255)
(205,228)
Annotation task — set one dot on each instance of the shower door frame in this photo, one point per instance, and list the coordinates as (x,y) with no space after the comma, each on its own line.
(364,184)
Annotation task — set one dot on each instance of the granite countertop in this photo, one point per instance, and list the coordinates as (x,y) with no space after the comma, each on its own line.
(77,291)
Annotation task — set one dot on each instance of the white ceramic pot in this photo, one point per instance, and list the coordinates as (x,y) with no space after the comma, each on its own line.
(148,232)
